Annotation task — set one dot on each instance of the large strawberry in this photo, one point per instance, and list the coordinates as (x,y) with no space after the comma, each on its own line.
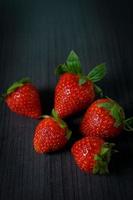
(74,91)
(105,118)
(51,134)
(92,154)
(23,98)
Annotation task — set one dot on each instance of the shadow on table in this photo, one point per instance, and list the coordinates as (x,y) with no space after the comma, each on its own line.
(47,100)
(122,160)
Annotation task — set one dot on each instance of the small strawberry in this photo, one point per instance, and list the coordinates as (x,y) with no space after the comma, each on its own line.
(105,118)
(74,91)
(51,134)
(23,98)
(92,154)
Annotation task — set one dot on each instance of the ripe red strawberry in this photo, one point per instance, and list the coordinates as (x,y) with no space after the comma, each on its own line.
(105,118)
(51,134)
(23,98)
(74,91)
(92,154)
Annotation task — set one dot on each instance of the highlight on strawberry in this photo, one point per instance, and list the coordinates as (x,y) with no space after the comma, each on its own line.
(23,98)
(51,134)
(74,90)
(105,118)
(92,154)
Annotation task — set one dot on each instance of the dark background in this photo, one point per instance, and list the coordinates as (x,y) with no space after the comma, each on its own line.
(36,36)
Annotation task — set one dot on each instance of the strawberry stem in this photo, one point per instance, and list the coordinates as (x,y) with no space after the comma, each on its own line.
(58,119)
(61,123)
(55,114)
(44,116)
(98,90)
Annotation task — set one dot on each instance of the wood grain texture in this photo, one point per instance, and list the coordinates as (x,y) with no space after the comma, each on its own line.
(36,36)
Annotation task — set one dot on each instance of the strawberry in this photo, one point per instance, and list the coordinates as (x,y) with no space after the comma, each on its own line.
(51,134)
(105,118)
(23,98)
(92,154)
(74,91)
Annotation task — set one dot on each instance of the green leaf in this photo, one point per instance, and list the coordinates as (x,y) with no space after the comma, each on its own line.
(104,151)
(107,105)
(82,80)
(17,84)
(25,80)
(97,73)
(72,65)
(98,90)
(97,157)
(102,159)
(128,124)
(14,87)
(115,112)
(95,169)
(61,69)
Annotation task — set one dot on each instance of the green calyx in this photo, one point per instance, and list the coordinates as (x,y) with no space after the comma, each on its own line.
(73,65)
(128,124)
(61,123)
(16,85)
(97,73)
(103,158)
(115,110)
(13,87)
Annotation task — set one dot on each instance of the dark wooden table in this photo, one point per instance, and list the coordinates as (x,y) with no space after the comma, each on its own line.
(36,36)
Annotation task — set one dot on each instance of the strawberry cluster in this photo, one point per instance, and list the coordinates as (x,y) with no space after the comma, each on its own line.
(104,118)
